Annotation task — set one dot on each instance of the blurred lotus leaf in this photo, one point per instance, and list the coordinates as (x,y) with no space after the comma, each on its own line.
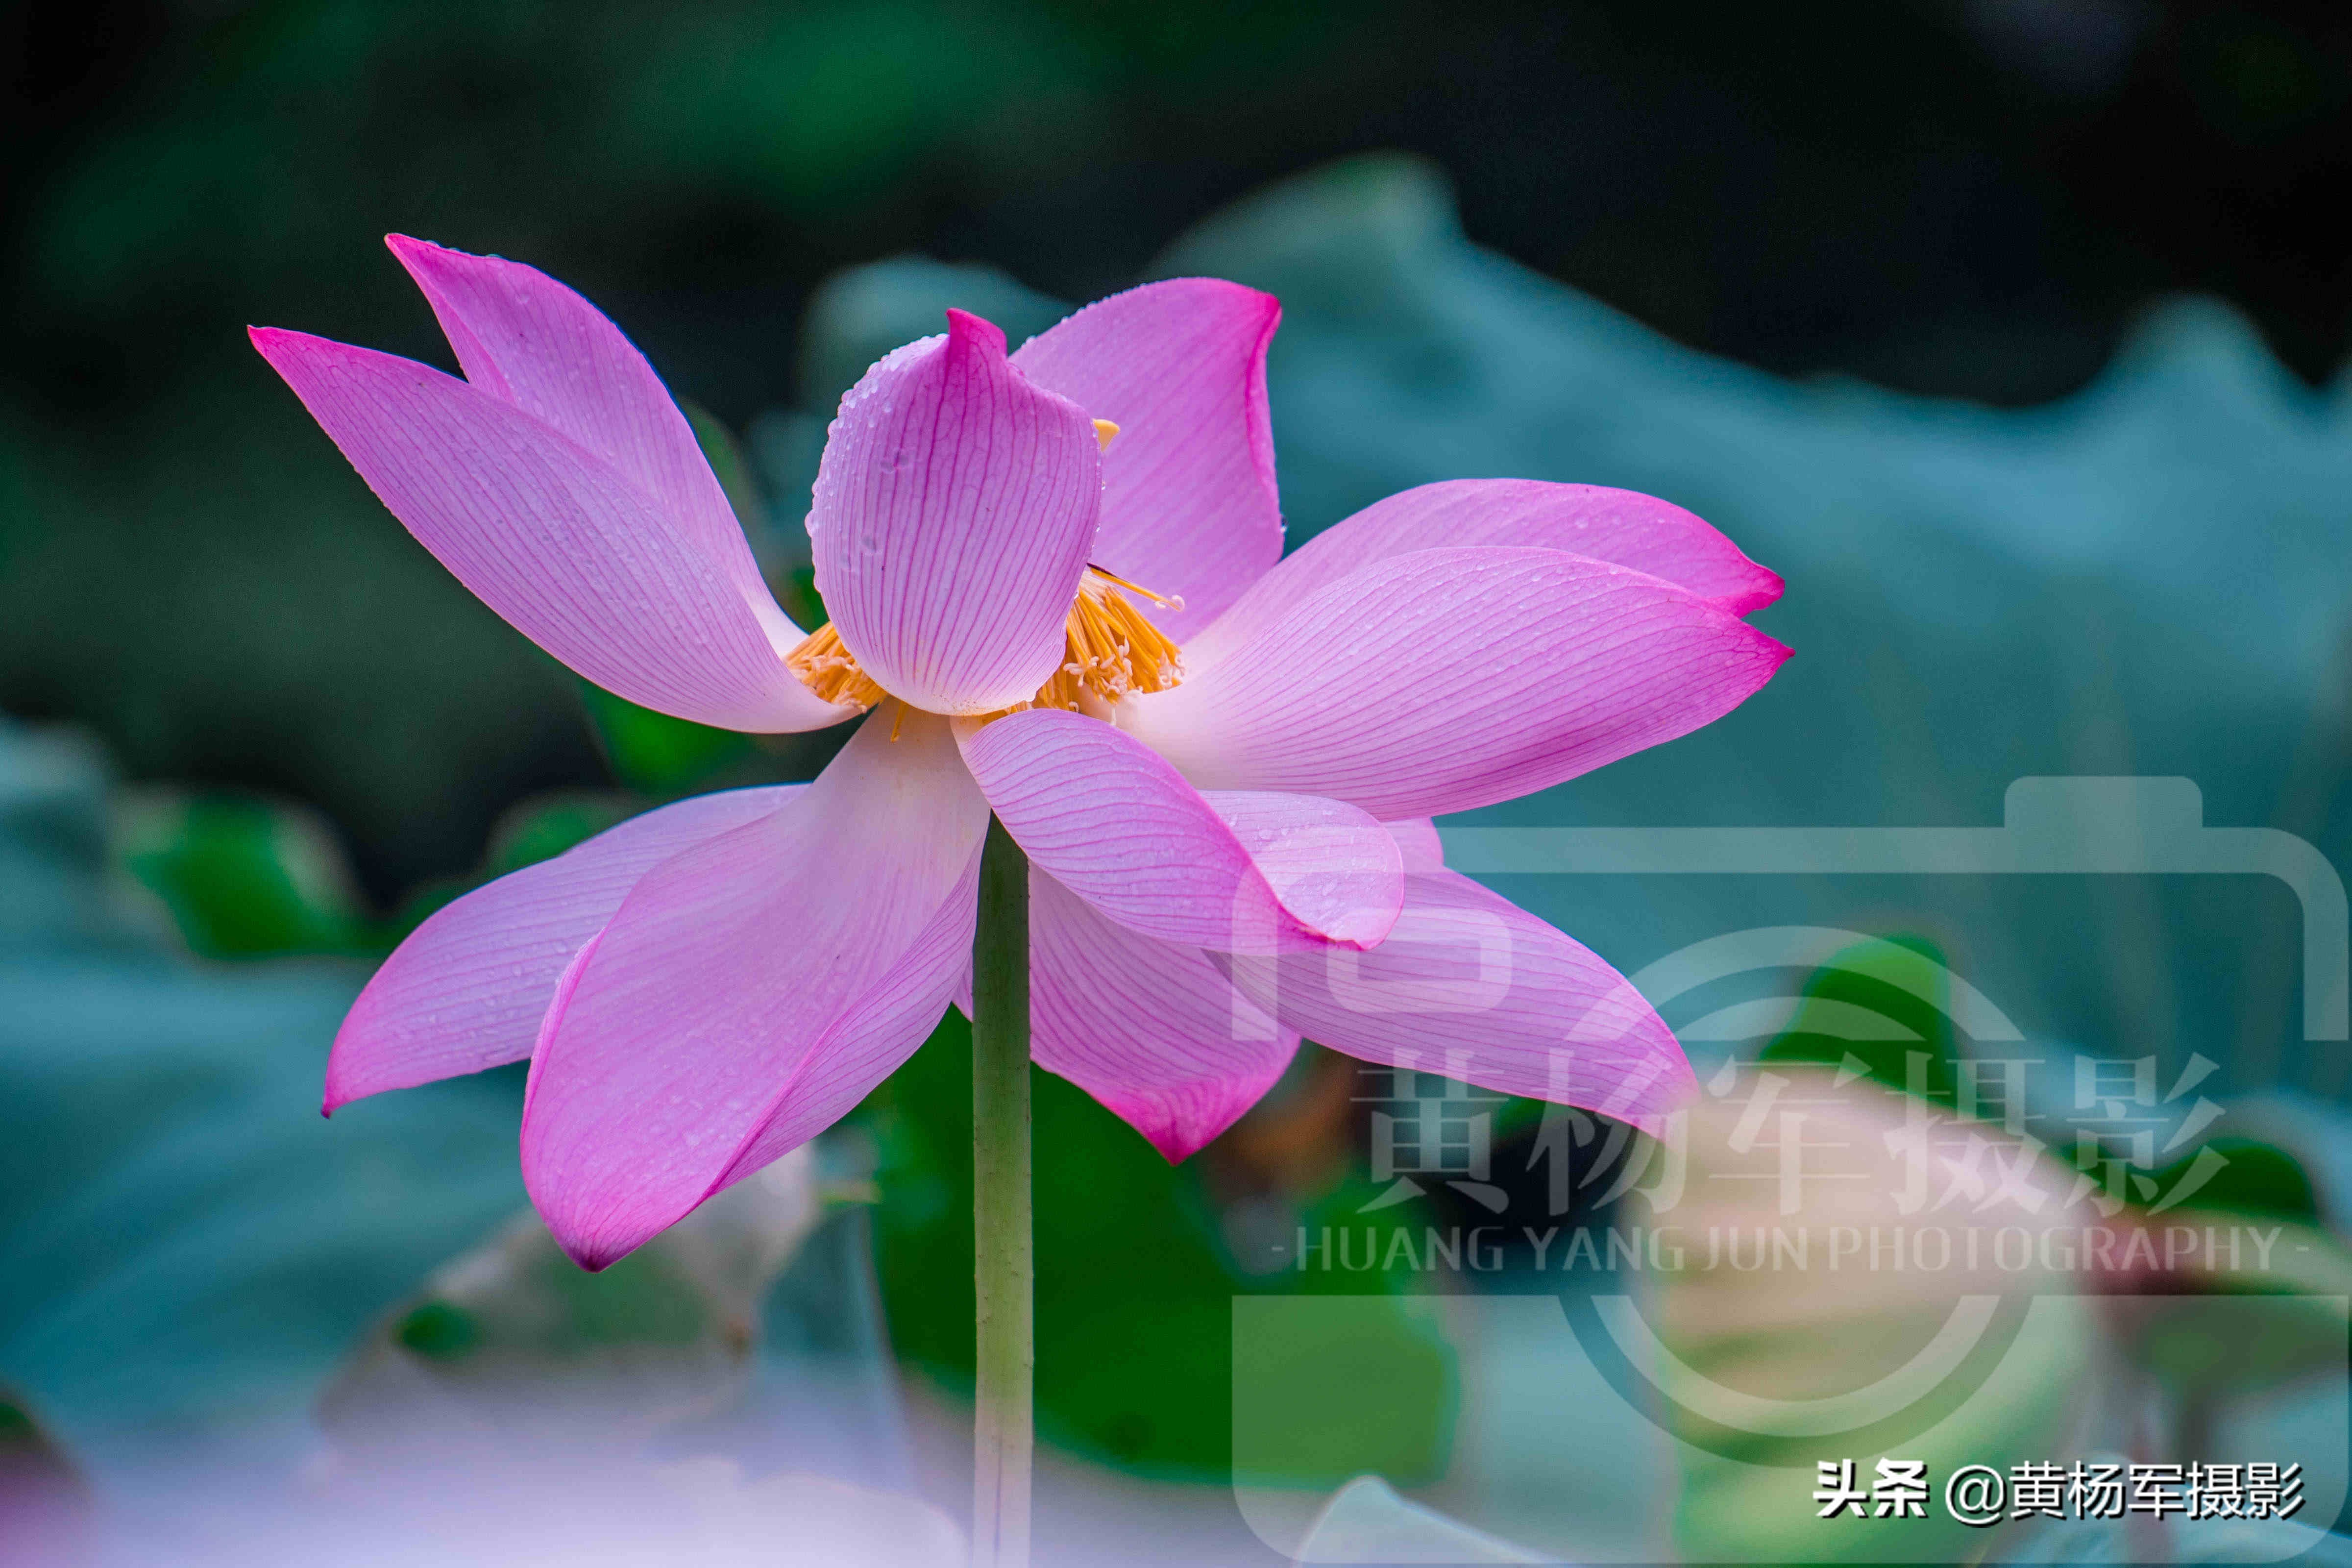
(190,1247)
(511,1343)
(242,877)
(245,876)
(1364,1383)
(546,826)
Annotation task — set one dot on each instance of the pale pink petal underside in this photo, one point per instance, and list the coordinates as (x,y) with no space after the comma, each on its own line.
(953,513)
(551,536)
(1417,841)
(1189,507)
(751,989)
(1623,527)
(868,1041)
(468,989)
(1247,871)
(1472,987)
(1446,680)
(1152,1030)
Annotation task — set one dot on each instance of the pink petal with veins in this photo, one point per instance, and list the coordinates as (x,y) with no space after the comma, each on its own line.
(468,987)
(1246,872)
(527,340)
(751,989)
(1446,679)
(554,538)
(1623,527)
(955,506)
(1152,1030)
(1470,985)
(1189,506)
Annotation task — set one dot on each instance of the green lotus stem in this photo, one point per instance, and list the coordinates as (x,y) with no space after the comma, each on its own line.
(1002,1248)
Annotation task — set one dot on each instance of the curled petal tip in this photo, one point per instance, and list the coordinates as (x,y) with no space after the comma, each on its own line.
(592,1258)
(954,509)
(966,330)
(1174,1148)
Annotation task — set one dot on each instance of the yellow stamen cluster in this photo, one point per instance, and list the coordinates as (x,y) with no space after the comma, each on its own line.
(826,669)
(1110,651)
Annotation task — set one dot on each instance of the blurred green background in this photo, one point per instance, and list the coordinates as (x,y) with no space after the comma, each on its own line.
(1954,196)
(1888,289)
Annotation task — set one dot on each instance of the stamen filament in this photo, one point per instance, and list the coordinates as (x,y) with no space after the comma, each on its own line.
(1166,602)
(827,669)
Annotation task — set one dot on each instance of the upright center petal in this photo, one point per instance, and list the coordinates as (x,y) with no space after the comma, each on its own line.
(953,514)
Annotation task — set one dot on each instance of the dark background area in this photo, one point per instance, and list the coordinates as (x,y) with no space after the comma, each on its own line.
(1964,198)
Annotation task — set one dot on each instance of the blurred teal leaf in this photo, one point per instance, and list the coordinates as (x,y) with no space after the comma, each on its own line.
(191,1248)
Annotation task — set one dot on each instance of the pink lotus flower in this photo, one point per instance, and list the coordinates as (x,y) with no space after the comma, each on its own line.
(1223,778)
